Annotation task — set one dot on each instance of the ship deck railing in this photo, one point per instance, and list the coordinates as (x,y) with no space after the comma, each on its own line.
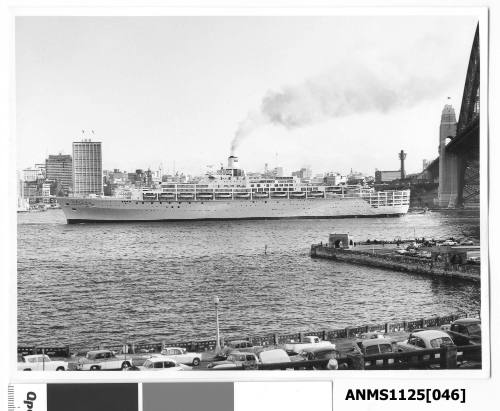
(374,198)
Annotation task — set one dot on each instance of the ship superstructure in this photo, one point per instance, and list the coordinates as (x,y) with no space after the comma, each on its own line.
(230,194)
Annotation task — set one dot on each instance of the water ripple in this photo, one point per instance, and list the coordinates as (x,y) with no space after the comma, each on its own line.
(91,283)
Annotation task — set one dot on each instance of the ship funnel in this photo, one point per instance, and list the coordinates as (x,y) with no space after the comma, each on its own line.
(232,162)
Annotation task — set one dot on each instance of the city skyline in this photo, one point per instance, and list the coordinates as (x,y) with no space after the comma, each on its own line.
(78,73)
(265,168)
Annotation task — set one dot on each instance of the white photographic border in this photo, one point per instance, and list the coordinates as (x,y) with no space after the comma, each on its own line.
(482,14)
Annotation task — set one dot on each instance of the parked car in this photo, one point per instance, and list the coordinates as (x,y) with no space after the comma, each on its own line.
(371,335)
(449,242)
(237,360)
(465,331)
(308,341)
(425,339)
(162,363)
(240,345)
(467,242)
(103,360)
(350,347)
(182,356)
(40,362)
(376,346)
(320,353)
(274,356)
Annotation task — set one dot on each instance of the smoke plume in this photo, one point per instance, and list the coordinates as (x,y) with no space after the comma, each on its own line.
(336,94)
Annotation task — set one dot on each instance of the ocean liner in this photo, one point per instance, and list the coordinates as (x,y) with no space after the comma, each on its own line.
(229,194)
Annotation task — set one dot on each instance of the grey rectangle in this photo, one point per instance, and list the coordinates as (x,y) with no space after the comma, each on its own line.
(188,396)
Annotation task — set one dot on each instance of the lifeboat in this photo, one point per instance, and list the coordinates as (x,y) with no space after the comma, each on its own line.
(166,196)
(242,195)
(260,195)
(223,195)
(297,194)
(279,194)
(148,196)
(186,196)
(205,195)
(315,194)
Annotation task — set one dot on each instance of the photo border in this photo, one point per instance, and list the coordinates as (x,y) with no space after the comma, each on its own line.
(482,15)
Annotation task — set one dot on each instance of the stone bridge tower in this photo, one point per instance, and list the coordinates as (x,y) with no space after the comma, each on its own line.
(448,166)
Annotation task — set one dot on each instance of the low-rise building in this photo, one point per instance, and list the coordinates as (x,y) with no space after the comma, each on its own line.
(387,176)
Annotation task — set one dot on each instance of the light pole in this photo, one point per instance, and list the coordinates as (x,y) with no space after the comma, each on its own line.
(217,341)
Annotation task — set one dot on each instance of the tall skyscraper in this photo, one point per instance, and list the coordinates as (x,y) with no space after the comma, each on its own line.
(87,168)
(60,168)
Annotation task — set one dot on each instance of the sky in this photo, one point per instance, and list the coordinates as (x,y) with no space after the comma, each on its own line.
(332,93)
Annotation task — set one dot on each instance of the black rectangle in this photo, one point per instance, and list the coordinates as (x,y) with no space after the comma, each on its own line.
(92,397)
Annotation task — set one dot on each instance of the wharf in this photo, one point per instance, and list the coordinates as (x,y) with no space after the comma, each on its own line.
(343,338)
(384,255)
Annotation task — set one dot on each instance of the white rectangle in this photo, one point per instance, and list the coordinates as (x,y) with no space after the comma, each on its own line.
(283,395)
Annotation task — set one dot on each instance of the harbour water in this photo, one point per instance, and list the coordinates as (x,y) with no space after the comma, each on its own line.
(87,284)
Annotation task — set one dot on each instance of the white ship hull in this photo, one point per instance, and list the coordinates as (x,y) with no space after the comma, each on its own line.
(78,210)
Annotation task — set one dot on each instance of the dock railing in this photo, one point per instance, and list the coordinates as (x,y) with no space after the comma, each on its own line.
(445,357)
(268,340)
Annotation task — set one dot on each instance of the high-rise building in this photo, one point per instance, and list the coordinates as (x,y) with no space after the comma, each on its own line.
(87,168)
(32,174)
(60,168)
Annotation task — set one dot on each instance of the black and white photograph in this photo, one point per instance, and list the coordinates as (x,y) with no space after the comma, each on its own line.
(250,193)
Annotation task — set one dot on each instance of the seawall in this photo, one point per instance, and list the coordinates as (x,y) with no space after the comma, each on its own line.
(407,264)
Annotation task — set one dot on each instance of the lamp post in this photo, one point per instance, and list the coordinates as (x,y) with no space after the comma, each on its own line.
(217,341)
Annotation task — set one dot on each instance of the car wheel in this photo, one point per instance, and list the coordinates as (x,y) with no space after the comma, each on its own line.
(196,362)
(95,368)
(125,365)
(60,369)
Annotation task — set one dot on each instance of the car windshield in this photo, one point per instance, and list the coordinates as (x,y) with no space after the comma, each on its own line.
(327,355)
(438,342)
(385,348)
(147,364)
(371,349)
(474,329)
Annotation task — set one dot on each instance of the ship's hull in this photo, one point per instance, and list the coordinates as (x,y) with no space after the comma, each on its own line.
(80,210)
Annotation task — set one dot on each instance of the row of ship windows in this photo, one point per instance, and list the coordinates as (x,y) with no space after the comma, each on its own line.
(270,185)
(177,202)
